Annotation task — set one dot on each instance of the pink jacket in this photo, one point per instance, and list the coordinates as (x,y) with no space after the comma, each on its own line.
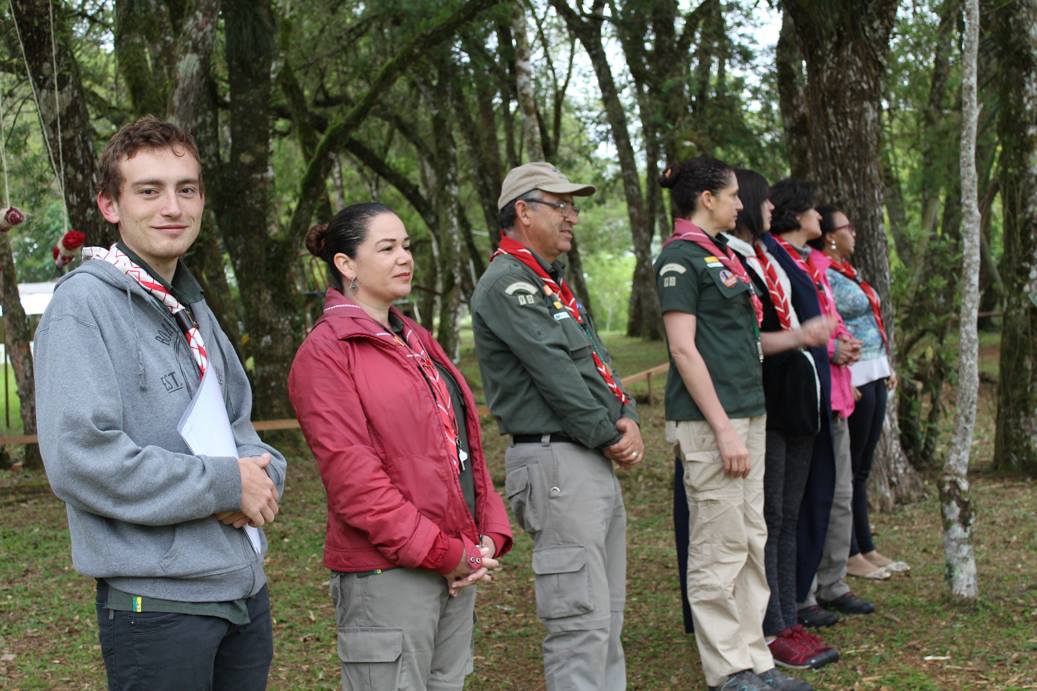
(842,386)
(369,417)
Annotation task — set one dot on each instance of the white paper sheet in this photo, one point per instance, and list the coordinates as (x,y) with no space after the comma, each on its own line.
(206,429)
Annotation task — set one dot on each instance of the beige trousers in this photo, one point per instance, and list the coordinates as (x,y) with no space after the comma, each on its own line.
(727,582)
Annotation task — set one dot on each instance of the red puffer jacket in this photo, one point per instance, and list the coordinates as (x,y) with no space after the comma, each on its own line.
(370,419)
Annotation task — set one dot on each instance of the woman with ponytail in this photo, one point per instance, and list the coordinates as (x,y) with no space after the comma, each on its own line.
(716,416)
(413,518)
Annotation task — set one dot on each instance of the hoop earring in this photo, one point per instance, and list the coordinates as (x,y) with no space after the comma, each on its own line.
(353,285)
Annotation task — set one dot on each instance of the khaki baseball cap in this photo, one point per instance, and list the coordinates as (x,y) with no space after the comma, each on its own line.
(538,176)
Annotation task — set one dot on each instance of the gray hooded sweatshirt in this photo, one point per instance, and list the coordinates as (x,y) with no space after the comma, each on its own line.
(113,376)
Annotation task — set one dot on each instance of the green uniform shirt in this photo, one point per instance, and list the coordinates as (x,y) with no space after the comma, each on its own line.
(691,280)
(536,360)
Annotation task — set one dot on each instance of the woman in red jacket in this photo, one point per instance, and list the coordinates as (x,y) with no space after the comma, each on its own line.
(413,518)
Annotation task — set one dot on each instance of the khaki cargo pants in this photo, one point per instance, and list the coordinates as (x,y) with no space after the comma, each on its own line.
(727,582)
(568,499)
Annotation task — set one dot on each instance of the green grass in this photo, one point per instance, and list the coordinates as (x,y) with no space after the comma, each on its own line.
(48,634)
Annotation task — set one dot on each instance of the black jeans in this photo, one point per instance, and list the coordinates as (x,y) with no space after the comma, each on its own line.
(155,651)
(865,429)
(788,462)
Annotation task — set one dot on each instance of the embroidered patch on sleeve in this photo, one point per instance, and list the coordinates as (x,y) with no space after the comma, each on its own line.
(672,268)
(525,293)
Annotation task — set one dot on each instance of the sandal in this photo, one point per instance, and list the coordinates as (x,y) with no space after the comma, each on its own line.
(860,567)
(886,563)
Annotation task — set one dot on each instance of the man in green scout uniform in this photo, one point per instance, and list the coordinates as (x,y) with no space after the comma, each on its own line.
(171,536)
(549,383)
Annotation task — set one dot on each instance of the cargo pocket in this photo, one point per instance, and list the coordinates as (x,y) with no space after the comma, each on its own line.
(371,658)
(562,581)
(519,486)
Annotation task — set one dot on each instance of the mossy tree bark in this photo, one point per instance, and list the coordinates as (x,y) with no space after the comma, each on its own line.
(1015,26)
(845,47)
(74,161)
(955,498)
(17,337)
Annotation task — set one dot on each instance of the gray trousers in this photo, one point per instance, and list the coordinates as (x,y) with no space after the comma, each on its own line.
(399,629)
(568,499)
(830,581)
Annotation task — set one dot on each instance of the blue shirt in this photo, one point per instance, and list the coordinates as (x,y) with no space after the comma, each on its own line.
(855,310)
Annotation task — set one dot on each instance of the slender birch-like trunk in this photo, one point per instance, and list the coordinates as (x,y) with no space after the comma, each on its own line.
(955,498)
(524,84)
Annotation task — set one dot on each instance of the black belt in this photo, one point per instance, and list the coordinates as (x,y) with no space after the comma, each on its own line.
(556,437)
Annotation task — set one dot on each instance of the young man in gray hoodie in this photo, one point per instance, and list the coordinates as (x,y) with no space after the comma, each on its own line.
(170,536)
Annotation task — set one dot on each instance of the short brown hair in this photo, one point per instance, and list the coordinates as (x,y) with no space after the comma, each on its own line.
(146,133)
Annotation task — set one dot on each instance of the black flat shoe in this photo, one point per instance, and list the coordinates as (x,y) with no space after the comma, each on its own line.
(814,617)
(848,603)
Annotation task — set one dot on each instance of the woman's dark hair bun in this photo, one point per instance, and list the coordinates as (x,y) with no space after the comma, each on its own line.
(689,179)
(668,178)
(316,238)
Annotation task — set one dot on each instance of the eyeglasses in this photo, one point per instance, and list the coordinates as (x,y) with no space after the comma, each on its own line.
(845,226)
(562,207)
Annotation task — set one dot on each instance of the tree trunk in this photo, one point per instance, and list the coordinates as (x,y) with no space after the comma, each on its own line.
(70,144)
(481,141)
(17,337)
(524,84)
(193,107)
(1015,446)
(895,208)
(444,192)
(845,49)
(792,101)
(645,313)
(261,260)
(955,499)
(577,279)
(135,22)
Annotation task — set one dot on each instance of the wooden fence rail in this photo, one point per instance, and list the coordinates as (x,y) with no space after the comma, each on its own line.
(291,423)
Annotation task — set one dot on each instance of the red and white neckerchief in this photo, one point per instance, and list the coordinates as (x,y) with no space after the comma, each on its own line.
(181,314)
(847,270)
(414,351)
(559,292)
(827,301)
(688,231)
(777,292)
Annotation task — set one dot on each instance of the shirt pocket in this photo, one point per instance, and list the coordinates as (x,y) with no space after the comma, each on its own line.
(576,340)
